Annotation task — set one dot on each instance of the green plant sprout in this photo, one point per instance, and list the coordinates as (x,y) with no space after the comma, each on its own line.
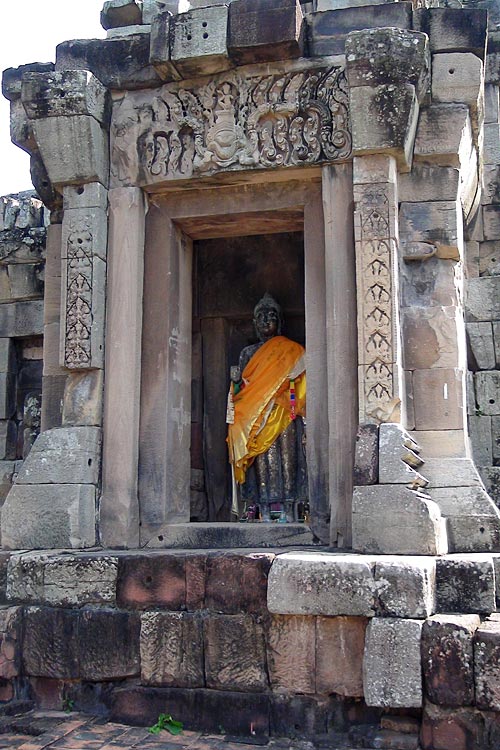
(165,721)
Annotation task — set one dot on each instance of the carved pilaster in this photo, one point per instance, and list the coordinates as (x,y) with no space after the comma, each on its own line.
(376,235)
(83,254)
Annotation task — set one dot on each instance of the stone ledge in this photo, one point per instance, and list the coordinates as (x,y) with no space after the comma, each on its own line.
(226,535)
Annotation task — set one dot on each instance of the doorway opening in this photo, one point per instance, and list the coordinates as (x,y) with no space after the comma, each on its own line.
(230,275)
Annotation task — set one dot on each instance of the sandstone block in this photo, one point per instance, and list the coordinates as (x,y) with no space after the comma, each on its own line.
(328,30)
(59,140)
(473,520)
(398,456)
(116,13)
(152,581)
(487,665)
(406,587)
(495,428)
(66,455)
(366,456)
(392,676)
(172,649)
(487,386)
(199,41)
(291,653)
(384,119)
(73,581)
(151,8)
(459,728)
(202,710)
(428,182)
(465,584)
(454,29)
(83,399)
(12,78)
(435,222)
(108,644)
(430,283)
(303,583)
(415,529)
(57,516)
(298,716)
(237,583)
(10,641)
(21,319)
(480,336)
(491,103)
(7,395)
(483,299)
(444,135)
(25,577)
(491,220)
(50,643)
(457,77)
(340,645)
(491,143)
(452,472)
(389,55)
(491,185)
(438,399)
(491,480)
(64,93)
(496,338)
(488,257)
(431,337)
(121,63)
(235,655)
(448,659)
(440,443)
(261,31)
(159,51)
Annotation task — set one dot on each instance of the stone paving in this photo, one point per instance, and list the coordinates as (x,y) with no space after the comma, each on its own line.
(39,730)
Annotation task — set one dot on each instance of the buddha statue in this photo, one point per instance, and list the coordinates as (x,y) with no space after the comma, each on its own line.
(266,422)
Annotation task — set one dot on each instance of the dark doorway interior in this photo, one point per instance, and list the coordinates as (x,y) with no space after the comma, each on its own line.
(230,275)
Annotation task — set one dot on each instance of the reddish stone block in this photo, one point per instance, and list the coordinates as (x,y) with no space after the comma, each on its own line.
(237,583)
(262,30)
(108,644)
(340,643)
(452,729)
(291,653)
(235,655)
(6,691)
(487,665)
(195,581)
(50,643)
(153,580)
(10,641)
(48,694)
(217,711)
(447,659)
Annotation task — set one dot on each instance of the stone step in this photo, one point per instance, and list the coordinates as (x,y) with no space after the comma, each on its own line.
(382,739)
(232,535)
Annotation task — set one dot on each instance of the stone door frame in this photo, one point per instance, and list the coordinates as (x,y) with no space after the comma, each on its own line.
(146,479)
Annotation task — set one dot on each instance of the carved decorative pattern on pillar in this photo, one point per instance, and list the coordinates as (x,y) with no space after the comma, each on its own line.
(375,253)
(233,122)
(79,285)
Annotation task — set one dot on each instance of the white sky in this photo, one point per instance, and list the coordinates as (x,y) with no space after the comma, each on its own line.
(29,32)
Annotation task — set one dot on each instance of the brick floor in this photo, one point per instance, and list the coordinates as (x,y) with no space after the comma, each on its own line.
(39,730)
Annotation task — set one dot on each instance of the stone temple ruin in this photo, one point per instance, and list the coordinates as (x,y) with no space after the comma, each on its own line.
(343,157)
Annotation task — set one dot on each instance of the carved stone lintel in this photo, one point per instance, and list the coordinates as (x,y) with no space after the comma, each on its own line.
(233,122)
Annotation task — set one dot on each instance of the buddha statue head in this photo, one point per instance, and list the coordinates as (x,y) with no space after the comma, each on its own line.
(267,318)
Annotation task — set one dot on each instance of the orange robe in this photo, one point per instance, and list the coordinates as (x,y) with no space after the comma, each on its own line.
(262,407)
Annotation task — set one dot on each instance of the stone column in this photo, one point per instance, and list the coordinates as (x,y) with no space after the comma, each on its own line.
(54,500)
(119,504)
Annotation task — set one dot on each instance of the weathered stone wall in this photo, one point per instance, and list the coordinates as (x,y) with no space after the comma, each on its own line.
(367,650)
(23,220)
(482,304)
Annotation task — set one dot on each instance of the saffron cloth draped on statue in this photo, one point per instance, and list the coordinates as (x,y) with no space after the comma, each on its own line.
(262,407)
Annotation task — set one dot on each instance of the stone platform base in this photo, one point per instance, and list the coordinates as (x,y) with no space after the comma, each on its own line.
(260,643)
(231,535)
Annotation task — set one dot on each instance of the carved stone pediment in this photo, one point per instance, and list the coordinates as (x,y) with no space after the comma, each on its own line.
(235,121)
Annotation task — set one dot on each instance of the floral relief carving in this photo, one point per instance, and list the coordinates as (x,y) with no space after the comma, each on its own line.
(232,122)
(375,253)
(79,286)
